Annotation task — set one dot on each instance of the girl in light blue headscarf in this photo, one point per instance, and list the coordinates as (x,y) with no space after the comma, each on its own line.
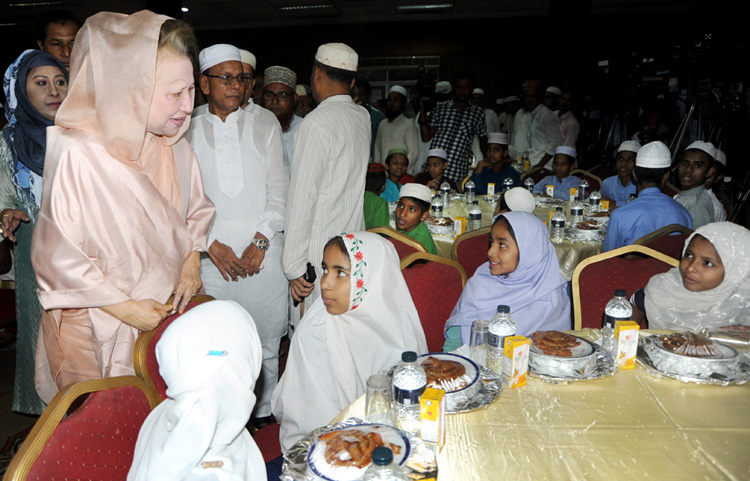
(522,272)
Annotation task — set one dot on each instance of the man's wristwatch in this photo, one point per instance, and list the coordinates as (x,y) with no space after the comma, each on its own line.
(261,244)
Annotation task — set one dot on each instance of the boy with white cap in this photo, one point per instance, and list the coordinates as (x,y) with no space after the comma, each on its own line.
(437,162)
(412,210)
(620,187)
(563,163)
(551,98)
(396,130)
(517,199)
(495,167)
(652,209)
(720,214)
(696,165)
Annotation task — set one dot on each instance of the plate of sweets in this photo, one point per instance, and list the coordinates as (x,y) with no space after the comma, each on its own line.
(439,225)
(345,454)
(457,375)
(559,355)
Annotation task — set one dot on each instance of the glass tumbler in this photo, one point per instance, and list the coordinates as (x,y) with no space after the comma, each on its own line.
(478,342)
(378,400)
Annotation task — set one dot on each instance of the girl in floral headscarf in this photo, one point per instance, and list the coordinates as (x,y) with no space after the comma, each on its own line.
(363,321)
(34,85)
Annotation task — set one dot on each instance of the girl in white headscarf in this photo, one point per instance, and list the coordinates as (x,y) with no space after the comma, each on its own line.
(210,358)
(363,321)
(710,288)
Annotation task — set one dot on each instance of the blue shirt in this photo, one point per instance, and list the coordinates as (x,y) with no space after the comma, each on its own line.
(613,189)
(650,211)
(487,175)
(562,188)
(391,192)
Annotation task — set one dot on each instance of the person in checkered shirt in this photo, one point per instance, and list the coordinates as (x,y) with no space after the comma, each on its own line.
(453,124)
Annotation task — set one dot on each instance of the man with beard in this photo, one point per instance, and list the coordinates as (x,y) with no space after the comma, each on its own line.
(279,97)
(396,130)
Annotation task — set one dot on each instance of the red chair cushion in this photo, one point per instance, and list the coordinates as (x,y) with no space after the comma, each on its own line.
(435,289)
(670,245)
(97,441)
(472,253)
(267,439)
(402,249)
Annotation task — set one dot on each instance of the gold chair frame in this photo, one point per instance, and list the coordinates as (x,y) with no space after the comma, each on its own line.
(417,256)
(667,229)
(387,231)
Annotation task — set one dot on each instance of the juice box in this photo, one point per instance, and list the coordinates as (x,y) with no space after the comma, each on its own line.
(515,361)
(459,226)
(626,340)
(526,165)
(490,188)
(603,205)
(573,193)
(432,417)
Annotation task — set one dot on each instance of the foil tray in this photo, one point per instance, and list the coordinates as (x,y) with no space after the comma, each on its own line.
(737,373)
(421,464)
(603,366)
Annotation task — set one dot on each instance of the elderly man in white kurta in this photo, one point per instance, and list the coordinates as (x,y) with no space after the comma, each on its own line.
(396,130)
(536,129)
(331,153)
(242,162)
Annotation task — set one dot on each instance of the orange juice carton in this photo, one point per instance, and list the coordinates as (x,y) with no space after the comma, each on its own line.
(573,193)
(526,165)
(515,361)
(432,417)
(603,206)
(459,226)
(550,190)
(626,340)
(490,188)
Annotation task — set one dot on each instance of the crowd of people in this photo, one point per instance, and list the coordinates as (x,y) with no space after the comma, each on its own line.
(121,201)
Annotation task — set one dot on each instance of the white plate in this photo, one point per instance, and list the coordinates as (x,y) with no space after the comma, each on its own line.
(316,459)
(723,353)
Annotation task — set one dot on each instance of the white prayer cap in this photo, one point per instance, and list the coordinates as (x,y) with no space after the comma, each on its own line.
(279,74)
(554,90)
(248,58)
(654,155)
(478,91)
(337,55)
(721,157)
(438,153)
(564,149)
(398,89)
(500,101)
(443,87)
(418,191)
(303,90)
(497,138)
(706,147)
(630,146)
(512,98)
(520,200)
(215,54)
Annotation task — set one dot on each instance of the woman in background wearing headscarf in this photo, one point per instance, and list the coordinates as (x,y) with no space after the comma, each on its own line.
(210,358)
(362,323)
(522,272)
(123,215)
(34,85)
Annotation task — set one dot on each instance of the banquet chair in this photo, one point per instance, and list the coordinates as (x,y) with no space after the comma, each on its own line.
(536,174)
(404,244)
(602,171)
(144,353)
(470,249)
(668,240)
(463,182)
(595,182)
(435,284)
(670,189)
(94,441)
(596,278)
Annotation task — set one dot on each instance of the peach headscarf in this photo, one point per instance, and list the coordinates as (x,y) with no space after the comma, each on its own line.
(110,96)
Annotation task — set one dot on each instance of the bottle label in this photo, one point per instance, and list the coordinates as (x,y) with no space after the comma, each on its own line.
(610,320)
(558,223)
(475,216)
(495,341)
(469,188)
(407,396)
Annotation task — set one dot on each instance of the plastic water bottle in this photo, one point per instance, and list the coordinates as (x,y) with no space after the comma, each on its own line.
(507,184)
(437,206)
(409,382)
(529,184)
(475,217)
(383,468)
(501,326)
(583,189)
(445,188)
(470,189)
(557,228)
(576,213)
(594,199)
(618,309)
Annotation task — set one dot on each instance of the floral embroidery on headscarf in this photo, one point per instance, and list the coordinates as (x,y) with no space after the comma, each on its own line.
(357,259)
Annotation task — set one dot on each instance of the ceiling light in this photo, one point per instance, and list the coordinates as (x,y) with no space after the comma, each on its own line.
(34,4)
(430,6)
(185,9)
(307,7)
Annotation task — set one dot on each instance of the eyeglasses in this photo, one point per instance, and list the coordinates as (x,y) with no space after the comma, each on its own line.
(229,79)
(281,96)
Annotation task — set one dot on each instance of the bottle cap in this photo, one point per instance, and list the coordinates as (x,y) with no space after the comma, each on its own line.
(621,293)
(476,202)
(382,456)
(409,356)
(558,209)
(503,309)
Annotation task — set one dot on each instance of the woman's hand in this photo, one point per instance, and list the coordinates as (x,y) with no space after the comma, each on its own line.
(11,218)
(190,282)
(145,315)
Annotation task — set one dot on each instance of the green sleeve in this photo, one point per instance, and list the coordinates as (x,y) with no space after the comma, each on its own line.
(453,339)
(376,211)
(425,238)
